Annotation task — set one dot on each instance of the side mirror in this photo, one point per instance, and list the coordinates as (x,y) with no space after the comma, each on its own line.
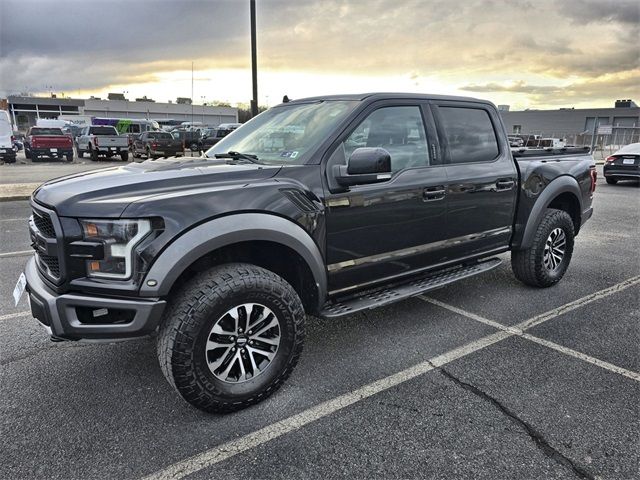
(366,165)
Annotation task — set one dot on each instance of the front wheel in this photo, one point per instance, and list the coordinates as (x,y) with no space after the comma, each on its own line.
(545,262)
(231,338)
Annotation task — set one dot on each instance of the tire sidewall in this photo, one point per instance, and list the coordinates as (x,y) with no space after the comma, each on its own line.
(203,317)
(563,221)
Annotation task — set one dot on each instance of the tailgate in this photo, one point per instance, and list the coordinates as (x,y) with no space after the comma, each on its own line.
(112,141)
(50,141)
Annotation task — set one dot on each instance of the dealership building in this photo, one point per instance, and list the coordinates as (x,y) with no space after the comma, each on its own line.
(26,110)
(622,121)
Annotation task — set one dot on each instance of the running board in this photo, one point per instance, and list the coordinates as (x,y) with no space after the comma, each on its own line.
(400,291)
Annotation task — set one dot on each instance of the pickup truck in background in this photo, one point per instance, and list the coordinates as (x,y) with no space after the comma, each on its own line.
(48,142)
(102,140)
(323,206)
(156,144)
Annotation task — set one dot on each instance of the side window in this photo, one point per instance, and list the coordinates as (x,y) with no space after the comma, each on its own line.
(134,128)
(469,133)
(399,130)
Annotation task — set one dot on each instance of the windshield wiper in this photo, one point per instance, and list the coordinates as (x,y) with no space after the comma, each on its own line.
(237,156)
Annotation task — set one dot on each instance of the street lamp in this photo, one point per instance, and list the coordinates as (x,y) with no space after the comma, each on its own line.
(203,104)
(254,59)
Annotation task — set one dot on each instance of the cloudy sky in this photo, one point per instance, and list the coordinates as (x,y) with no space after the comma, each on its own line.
(529,54)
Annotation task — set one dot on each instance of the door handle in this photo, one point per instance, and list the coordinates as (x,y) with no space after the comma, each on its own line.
(430,194)
(504,184)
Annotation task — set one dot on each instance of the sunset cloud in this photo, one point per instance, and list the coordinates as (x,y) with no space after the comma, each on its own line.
(527,53)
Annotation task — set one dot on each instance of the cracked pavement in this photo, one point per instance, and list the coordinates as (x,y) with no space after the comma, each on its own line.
(512,409)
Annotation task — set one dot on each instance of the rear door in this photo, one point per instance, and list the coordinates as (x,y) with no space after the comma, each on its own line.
(482,180)
(384,230)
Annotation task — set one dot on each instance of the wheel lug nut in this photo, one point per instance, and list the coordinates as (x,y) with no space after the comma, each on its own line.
(250,332)
(233,349)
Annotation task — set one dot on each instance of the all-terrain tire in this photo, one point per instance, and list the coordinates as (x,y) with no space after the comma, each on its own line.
(187,325)
(528,264)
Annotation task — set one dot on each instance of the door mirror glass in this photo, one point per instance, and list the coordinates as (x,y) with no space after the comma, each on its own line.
(369,160)
(365,165)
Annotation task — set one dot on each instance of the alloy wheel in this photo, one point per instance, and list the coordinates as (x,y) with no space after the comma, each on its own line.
(242,343)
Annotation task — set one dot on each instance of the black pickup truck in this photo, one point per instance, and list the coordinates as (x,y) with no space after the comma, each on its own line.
(322,206)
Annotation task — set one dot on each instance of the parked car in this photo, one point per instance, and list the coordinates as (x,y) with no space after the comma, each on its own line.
(324,206)
(623,165)
(515,141)
(189,138)
(211,136)
(157,144)
(102,140)
(48,142)
(7,152)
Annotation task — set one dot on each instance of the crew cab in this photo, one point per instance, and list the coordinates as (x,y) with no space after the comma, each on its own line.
(48,142)
(212,136)
(318,207)
(156,144)
(102,140)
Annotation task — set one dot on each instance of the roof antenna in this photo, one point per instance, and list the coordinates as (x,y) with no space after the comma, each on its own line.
(285,99)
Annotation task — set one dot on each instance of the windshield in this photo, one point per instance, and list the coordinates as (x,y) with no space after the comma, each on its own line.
(286,134)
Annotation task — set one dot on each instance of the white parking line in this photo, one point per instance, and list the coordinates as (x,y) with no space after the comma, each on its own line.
(20,253)
(290,424)
(9,316)
(13,219)
(227,450)
(520,328)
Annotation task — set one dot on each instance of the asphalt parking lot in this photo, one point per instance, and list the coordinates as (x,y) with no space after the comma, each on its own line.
(486,378)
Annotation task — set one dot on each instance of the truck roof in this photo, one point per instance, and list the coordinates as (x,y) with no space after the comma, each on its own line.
(389,95)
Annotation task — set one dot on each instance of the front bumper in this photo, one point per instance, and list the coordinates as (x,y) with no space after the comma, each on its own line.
(73,316)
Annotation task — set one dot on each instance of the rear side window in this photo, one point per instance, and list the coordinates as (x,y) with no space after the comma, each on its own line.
(469,134)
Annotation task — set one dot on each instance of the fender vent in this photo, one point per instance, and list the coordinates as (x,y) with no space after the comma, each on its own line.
(300,200)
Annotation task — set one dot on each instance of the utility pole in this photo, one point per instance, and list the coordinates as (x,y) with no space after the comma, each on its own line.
(192,99)
(254,59)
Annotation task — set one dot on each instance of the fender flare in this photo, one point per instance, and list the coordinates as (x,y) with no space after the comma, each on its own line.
(563,184)
(223,231)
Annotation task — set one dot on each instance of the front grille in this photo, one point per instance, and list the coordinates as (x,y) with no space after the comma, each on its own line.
(47,243)
(44,224)
(50,265)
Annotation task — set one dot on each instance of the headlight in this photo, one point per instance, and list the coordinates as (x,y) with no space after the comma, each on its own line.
(119,238)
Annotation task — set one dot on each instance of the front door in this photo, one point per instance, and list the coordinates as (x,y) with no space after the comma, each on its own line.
(387,229)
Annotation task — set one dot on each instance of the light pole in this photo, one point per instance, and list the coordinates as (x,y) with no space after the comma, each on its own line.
(203,104)
(254,59)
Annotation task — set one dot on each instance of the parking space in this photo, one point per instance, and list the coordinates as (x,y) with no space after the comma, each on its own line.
(433,387)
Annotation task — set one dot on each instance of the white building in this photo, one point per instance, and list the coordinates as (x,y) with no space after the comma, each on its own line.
(25,111)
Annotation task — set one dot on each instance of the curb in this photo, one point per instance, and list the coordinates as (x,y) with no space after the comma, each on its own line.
(17,191)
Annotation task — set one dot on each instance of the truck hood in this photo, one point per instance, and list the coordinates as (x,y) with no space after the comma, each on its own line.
(107,192)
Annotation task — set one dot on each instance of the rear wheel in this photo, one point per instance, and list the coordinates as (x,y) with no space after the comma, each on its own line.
(194,147)
(69,157)
(93,153)
(124,156)
(546,261)
(611,181)
(231,337)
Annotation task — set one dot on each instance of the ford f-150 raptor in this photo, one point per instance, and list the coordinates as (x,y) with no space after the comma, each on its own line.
(322,206)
